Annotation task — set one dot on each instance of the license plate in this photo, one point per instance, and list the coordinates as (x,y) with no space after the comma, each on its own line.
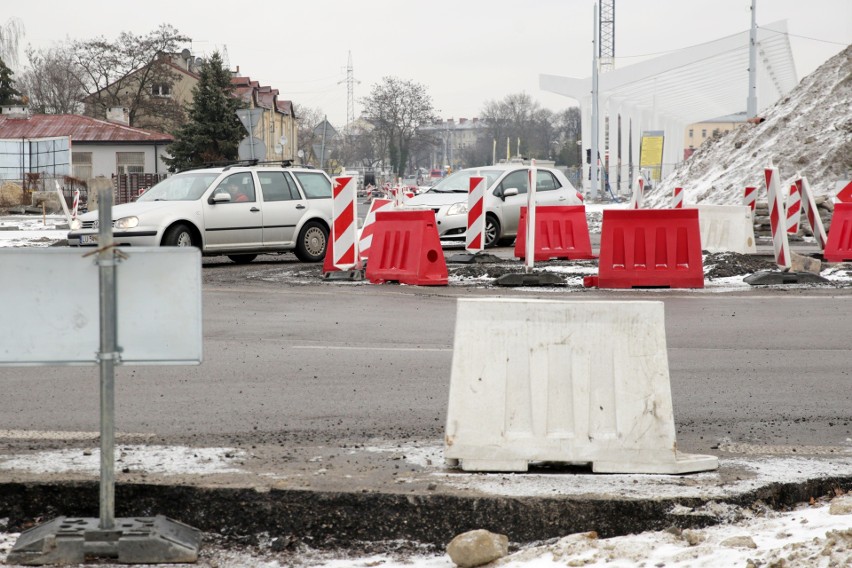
(88,239)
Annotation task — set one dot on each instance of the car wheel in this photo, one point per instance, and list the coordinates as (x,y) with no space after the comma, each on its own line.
(492,231)
(178,236)
(242,258)
(312,242)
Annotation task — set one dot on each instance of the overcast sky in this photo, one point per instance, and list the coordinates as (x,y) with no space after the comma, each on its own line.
(465,52)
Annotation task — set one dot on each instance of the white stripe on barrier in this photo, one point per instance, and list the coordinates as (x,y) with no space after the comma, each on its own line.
(529,261)
(780,244)
(344,226)
(76,204)
(677,198)
(637,197)
(750,197)
(811,212)
(475,235)
(366,239)
(794,209)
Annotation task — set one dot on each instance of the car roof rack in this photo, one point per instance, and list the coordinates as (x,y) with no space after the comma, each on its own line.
(228,164)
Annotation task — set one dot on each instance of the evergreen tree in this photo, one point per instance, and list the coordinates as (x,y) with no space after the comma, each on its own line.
(213,131)
(8,94)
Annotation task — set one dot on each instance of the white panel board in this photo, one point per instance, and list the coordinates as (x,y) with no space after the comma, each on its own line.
(51,306)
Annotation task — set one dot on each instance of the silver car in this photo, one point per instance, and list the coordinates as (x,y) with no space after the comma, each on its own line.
(238,211)
(506,192)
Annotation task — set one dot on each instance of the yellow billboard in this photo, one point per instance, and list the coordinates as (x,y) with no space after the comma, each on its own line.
(651,153)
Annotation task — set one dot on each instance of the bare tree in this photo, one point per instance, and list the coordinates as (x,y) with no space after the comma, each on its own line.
(308,119)
(568,133)
(397,108)
(51,81)
(10,35)
(125,72)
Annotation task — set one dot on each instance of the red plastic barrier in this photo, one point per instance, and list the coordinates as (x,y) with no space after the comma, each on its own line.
(644,248)
(838,248)
(406,249)
(561,231)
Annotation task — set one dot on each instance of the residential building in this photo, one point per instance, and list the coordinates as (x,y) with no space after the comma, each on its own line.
(45,142)
(277,127)
(167,97)
(697,133)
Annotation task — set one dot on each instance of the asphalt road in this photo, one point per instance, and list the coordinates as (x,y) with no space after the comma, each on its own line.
(308,362)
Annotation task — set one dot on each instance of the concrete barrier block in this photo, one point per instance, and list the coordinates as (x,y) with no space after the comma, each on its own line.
(726,228)
(562,381)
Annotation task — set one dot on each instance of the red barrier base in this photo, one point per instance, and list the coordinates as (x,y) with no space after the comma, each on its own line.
(561,231)
(838,247)
(406,249)
(650,248)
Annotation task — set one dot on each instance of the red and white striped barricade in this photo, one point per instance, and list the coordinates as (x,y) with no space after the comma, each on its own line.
(811,212)
(637,196)
(474,241)
(794,209)
(75,204)
(750,198)
(529,260)
(844,192)
(677,198)
(344,227)
(777,218)
(366,239)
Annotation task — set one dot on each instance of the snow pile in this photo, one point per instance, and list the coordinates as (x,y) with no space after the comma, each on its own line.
(808,132)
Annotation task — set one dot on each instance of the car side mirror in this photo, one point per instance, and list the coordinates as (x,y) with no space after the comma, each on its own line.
(509,192)
(220,197)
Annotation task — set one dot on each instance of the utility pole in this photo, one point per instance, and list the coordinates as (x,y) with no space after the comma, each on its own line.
(593,157)
(751,101)
(606,49)
(350,96)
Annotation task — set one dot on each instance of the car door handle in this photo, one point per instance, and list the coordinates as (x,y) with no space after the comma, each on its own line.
(300,206)
(254,209)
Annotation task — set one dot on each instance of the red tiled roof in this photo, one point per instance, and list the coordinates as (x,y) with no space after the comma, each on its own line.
(79,128)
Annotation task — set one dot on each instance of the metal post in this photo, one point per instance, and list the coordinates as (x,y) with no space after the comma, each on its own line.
(595,118)
(751,102)
(108,354)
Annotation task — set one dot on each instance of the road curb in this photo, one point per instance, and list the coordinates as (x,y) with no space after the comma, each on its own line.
(336,519)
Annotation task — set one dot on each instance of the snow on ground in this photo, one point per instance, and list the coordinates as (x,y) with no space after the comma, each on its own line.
(32,230)
(812,535)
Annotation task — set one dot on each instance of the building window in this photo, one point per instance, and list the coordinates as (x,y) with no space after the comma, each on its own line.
(161,90)
(704,133)
(81,165)
(130,162)
(690,133)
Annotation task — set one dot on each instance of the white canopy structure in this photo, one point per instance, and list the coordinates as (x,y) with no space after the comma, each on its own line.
(669,92)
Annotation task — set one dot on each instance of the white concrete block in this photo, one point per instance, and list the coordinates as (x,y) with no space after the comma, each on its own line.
(726,228)
(562,381)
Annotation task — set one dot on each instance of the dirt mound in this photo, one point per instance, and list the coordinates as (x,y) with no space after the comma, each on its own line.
(808,132)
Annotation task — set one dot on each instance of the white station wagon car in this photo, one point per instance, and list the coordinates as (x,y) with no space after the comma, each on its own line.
(506,187)
(238,211)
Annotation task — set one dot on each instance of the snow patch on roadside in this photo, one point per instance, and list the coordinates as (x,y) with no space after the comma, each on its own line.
(162,460)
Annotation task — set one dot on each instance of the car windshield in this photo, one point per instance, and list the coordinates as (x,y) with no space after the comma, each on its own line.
(459,182)
(180,187)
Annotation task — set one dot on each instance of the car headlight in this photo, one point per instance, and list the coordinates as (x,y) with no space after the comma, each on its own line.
(75,224)
(459,208)
(126,222)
